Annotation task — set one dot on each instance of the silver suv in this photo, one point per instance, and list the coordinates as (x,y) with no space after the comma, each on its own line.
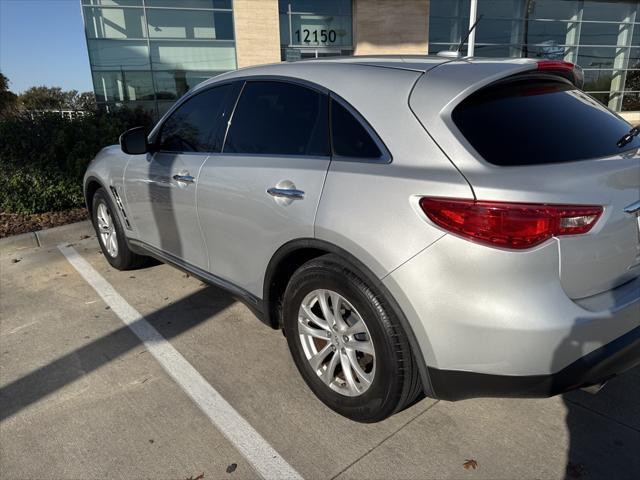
(415,225)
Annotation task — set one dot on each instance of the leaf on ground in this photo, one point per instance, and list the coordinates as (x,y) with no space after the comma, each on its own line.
(232,468)
(470,463)
(199,477)
(83,237)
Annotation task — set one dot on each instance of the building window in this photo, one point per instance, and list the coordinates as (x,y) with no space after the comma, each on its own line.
(150,52)
(311,29)
(603,37)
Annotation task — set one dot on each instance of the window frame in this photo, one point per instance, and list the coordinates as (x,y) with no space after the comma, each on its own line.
(277,79)
(229,101)
(385,155)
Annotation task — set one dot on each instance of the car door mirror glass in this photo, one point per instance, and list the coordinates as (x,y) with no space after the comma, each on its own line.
(134,141)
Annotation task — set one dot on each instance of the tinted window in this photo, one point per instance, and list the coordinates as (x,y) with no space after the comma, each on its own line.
(280,119)
(191,128)
(350,138)
(530,122)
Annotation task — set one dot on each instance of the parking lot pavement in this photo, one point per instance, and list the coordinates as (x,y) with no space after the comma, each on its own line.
(82,397)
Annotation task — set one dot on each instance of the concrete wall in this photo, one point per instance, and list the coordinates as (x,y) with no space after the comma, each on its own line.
(257,31)
(391,26)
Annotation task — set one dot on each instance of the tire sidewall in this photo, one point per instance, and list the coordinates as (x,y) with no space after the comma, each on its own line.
(381,398)
(119,260)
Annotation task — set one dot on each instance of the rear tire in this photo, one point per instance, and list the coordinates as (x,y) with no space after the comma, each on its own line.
(111,234)
(355,358)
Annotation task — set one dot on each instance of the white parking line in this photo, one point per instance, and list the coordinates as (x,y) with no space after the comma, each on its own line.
(262,456)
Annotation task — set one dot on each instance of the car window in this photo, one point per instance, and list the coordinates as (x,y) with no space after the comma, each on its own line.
(350,138)
(279,118)
(192,127)
(531,122)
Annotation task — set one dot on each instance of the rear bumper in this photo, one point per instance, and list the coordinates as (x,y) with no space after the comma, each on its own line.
(596,367)
(495,323)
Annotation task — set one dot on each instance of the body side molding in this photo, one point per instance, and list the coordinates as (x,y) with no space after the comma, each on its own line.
(254,303)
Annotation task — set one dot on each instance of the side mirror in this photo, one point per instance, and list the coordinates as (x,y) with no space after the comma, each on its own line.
(134,141)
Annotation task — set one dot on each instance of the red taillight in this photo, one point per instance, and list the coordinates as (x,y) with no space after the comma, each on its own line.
(556,65)
(509,225)
(568,70)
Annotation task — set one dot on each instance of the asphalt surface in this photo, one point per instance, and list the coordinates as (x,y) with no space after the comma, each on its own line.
(82,397)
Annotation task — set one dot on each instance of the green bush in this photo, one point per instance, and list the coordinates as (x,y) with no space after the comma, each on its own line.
(43,159)
(33,190)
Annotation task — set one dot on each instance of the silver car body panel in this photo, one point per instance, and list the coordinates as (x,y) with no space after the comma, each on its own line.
(589,264)
(470,307)
(163,207)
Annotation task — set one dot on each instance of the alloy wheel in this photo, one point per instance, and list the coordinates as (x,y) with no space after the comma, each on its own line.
(336,342)
(107,230)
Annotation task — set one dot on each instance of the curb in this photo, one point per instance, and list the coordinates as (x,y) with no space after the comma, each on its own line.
(47,237)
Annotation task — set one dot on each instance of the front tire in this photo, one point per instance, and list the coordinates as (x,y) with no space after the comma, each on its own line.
(347,343)
(111,234)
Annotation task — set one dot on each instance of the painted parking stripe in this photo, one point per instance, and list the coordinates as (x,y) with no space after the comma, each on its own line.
(258,452)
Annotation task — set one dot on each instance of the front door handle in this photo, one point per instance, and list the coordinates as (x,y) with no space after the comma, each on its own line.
(291,193)
(184,178)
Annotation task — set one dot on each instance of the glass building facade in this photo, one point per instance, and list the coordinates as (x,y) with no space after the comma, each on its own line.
(311,28)
(602,36)
(150,52)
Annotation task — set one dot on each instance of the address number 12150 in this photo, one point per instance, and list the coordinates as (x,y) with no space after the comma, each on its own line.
(315,36)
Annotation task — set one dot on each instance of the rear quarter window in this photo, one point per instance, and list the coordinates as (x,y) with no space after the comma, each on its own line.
(532,122)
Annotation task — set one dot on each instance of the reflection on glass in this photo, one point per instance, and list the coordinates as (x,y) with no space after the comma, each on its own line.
(114,22)
(617,11)
(118,54)
(123,86)
(172,85)
(554,9)
(316,24)
(186,55)
(598,80)
(190,24)
(596,57)
(118,3)
(599,35)
(189,3)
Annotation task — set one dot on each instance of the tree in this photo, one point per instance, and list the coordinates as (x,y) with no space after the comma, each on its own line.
(8,99)
(85,101)
(43,98)
(54,98)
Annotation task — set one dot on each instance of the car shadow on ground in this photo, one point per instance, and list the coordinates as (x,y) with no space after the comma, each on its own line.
(604,438)
(170,321)
(603,428)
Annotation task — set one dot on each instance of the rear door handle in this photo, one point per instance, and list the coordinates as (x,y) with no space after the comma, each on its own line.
(291,193)
(184,178)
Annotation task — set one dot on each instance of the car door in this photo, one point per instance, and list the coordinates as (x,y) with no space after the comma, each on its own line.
(263,189)
(161,189)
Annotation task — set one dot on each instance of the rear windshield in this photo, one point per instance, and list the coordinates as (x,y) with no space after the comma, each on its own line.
(529,122)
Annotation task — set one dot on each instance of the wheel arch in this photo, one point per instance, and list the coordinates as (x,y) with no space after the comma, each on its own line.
(91,186)
(290,256)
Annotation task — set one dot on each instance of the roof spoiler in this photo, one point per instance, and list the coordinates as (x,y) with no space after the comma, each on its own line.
(567,70)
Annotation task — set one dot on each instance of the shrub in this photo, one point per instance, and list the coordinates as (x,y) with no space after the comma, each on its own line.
(43,158)
(33,190)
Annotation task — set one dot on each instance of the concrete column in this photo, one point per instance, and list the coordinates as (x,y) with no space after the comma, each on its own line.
(390,27)
(257,31)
